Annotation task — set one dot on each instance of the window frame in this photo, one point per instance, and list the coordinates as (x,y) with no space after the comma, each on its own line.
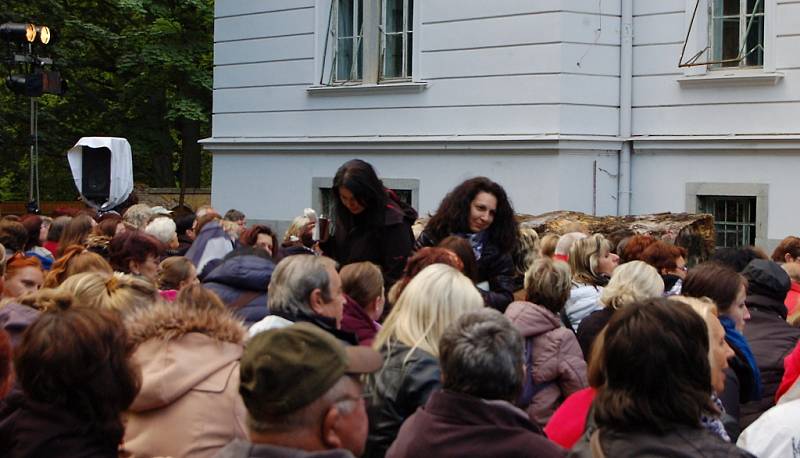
(743,18)
(695,191)
(699,37)
(318,184)
(372,44)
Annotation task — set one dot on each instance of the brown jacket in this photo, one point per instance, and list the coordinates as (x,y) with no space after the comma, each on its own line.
(189,405)
(557,357)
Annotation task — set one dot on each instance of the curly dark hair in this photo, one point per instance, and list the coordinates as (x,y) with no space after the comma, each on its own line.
(359,177)
(452,216)
(78,359)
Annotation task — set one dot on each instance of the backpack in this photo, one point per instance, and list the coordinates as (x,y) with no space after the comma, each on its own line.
(529,388)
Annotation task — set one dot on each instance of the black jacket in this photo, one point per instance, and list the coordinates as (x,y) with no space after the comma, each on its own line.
(388,245)
(494,267)
(396,391)
(238,275)
(770,337)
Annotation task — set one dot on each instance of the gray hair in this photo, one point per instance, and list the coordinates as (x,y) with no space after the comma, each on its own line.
(163,228)
(565,242)
(138,215)
(293,281)
(481,355)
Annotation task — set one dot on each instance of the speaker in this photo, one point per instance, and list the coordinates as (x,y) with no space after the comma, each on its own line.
(96,173)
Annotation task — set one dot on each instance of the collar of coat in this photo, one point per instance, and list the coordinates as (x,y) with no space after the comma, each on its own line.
(169,320)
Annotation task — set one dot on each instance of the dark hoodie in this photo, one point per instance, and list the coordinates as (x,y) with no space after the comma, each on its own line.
(243,272)
(771,338)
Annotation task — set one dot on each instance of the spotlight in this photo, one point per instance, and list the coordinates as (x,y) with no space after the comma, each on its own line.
(22,33)
(44,33)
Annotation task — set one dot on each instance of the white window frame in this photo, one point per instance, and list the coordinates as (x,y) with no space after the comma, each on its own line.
(758,190)
(373,44)
(744,19)
(699,36)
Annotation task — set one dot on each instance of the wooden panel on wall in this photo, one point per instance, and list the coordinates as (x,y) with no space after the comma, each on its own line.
(787,19)
(657,7)
(265,74)
(492,120)
(787,54)
(661,28)
(236,7)
(656,60)
(741,119)
(517,30)
(264,50)
(450,10)
(288,22)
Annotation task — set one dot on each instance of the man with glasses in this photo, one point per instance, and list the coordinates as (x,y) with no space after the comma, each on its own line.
(303,398)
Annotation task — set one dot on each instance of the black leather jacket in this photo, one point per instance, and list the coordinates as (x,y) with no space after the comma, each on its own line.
(396,391)
(494,267)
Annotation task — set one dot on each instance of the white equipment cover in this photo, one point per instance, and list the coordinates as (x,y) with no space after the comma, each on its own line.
(121,168)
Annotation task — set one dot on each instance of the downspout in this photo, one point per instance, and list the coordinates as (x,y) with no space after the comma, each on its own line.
(625,94)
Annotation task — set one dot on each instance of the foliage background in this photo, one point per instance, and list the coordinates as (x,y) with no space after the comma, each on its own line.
(139,69)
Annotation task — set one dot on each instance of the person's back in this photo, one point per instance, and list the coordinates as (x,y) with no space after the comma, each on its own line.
(241,282)
(189,352)
(472,415)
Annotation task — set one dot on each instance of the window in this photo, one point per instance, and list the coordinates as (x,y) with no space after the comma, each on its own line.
(734,219)
(372,41)
(322,194)
(737,28)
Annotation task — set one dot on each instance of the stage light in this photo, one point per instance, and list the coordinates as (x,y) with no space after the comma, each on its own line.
(22,33)
(44,33)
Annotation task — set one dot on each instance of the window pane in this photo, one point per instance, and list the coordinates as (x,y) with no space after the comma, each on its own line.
(755,41)
(751,5)
(394,16)
(409,53)
(345,18)
(410,14)
(393,57)
(344,59)
(726,40)
(726,8)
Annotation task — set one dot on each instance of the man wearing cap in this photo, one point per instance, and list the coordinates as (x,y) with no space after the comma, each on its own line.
(302,396)
(306,288)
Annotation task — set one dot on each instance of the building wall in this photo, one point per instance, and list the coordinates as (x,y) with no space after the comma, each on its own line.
(662,105)
(506,67)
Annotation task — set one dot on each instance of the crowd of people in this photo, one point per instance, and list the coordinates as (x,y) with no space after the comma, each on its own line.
(145,333)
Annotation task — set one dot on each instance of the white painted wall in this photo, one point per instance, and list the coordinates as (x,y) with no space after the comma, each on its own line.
(660,177)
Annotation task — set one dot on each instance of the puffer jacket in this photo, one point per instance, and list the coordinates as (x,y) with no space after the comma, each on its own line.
(557,358)
(583,300)
(238,275)
(189,404)
(494,267)
(770,337)
(403,384)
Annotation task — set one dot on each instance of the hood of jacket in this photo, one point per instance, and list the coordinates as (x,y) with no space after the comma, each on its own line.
(531,319)
(248,272)
(767,278)
(180,349)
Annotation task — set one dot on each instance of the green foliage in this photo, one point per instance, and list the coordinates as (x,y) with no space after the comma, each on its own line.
(137,69)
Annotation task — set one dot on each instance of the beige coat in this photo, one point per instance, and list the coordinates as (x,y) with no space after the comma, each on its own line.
(557,357)
(189,404)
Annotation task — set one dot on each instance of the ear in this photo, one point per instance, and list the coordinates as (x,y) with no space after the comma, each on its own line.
(315,301)
(133,267)
(330,435)
(788,257)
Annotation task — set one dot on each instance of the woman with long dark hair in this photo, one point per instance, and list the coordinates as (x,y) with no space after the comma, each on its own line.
(371,223)
(479,211)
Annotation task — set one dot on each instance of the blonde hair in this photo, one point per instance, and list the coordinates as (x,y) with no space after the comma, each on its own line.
(174,270)
(362,281)
(526,251)
(433,299)
(119,292)
(547,283)
(547,245)
(584,256)
(632,282)
(707,309)
(295,229)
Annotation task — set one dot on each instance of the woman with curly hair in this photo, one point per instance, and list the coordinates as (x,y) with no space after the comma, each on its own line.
(479,210)
(371,223)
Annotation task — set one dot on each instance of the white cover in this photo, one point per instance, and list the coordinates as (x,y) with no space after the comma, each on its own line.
(121,168)
(776,433)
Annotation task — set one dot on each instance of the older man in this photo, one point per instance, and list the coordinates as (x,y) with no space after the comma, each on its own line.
(306,288)
(302,396)
(473,415)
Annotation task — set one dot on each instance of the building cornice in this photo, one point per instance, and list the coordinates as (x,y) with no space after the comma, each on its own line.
(717,142)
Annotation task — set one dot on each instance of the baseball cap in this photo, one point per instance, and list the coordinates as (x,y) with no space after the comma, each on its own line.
(285,369)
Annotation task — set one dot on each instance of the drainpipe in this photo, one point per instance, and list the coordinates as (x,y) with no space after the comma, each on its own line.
(625,94)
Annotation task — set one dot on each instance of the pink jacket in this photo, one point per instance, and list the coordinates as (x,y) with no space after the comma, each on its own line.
(189,404)
(557,357)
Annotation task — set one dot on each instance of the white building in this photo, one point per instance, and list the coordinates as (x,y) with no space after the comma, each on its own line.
(570,104)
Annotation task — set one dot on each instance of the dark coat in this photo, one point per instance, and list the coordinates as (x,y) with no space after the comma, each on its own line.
(770,337)
(682,442)
(242,275)
(457,425)
(323,322)
(397,390)
(590,327)
(494,266)
(33,429)
(356,320)
(388,245)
